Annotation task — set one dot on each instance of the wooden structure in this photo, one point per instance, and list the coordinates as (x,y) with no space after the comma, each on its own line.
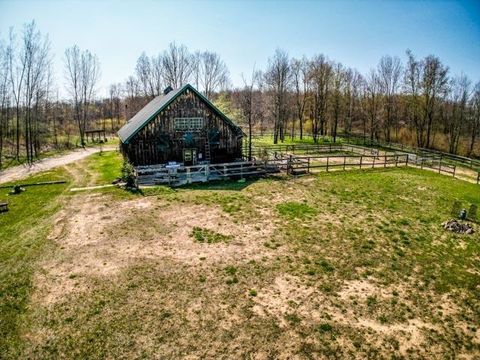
(181,175)
(95,135)
(180,126)
(3,206)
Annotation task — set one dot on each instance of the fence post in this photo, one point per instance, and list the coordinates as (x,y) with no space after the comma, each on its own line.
(361,160)
(406,160)
(344,162)
(289,165)
(440,165)
(478,178)
(327,162)
(373,163)
(454,169)
(308,165)
(385,160)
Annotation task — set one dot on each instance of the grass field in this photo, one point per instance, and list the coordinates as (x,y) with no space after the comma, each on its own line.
(336,265)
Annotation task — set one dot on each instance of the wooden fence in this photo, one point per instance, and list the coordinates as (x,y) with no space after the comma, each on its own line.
(358,139)
(298,165)
(303,162)
(180,175)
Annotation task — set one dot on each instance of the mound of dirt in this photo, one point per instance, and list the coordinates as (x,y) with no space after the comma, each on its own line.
(457,227)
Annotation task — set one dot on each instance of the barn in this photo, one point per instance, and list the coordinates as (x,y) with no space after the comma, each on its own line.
(180,126)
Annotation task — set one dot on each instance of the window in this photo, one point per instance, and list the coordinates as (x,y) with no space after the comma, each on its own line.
(193,123)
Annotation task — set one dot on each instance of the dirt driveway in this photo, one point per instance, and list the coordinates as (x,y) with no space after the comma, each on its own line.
(22,171)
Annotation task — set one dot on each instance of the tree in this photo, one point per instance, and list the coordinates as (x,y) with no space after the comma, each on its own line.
(35,61)
(277,79)
(474,123)
(320,77)
(17,74)
(456,112)
(82,75)
(4,94)
(389,72)
(353,85)
(412,83)
(434,81)
(338,81)
(300,84)
(372,86)
(212,72)
(149,73)
(177,65)
(247,105)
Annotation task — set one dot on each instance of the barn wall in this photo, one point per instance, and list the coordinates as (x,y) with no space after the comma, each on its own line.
(159,142)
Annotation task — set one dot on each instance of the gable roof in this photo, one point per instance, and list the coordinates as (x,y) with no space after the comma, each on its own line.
(154,107)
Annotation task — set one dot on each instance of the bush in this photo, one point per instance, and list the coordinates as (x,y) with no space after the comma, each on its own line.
(128,174)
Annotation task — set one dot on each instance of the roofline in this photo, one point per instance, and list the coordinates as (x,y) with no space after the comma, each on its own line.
(181,91)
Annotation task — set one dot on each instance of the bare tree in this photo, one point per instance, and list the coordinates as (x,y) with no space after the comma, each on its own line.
(300,83)
(320,77)
(82,73)
(247,103)
(338,82)
(177,65)
(412,85)
(372,86)
(277,79)
(35,60)
(212,72)
(474,123)
(4,94)
(115,93)
(17,75)
(353,85)
(457,100)
(149,73)
(389,75)
(434,82)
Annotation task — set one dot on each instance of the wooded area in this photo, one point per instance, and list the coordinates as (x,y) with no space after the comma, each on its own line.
(417,101)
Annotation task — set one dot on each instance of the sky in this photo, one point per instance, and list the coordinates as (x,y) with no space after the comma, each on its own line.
(246,33)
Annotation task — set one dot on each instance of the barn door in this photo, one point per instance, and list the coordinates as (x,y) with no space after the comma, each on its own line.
(189,156)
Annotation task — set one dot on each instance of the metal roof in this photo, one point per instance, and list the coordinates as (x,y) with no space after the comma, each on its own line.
(154,107)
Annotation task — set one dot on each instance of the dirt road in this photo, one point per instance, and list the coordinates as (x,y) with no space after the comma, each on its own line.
(22,171)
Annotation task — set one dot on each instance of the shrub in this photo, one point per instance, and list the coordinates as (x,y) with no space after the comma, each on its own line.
(128,174)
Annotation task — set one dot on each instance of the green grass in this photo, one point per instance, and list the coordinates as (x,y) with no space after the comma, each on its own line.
(208,236)
(107,165)
(23,234)
(296,210)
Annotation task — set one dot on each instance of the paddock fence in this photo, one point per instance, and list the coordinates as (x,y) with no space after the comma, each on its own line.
(296,160)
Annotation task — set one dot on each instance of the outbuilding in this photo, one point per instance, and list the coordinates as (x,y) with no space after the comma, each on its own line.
(180,126)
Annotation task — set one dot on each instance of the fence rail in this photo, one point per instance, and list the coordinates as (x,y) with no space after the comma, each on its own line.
(180,175)
(357,139)
(295,160)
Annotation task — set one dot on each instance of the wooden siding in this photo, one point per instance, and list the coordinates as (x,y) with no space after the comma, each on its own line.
(147,147)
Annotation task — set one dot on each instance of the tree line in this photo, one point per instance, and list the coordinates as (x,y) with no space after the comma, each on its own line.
(417,101)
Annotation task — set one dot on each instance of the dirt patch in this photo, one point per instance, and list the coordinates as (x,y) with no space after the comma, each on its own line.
(286,295)
(98,237)
(359,289)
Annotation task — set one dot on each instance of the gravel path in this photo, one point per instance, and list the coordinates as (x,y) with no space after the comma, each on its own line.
(23,171)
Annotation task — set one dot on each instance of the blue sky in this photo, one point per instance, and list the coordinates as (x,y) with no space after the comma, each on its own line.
(245,33)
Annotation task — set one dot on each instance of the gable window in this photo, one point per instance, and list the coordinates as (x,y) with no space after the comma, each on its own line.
(188,123)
